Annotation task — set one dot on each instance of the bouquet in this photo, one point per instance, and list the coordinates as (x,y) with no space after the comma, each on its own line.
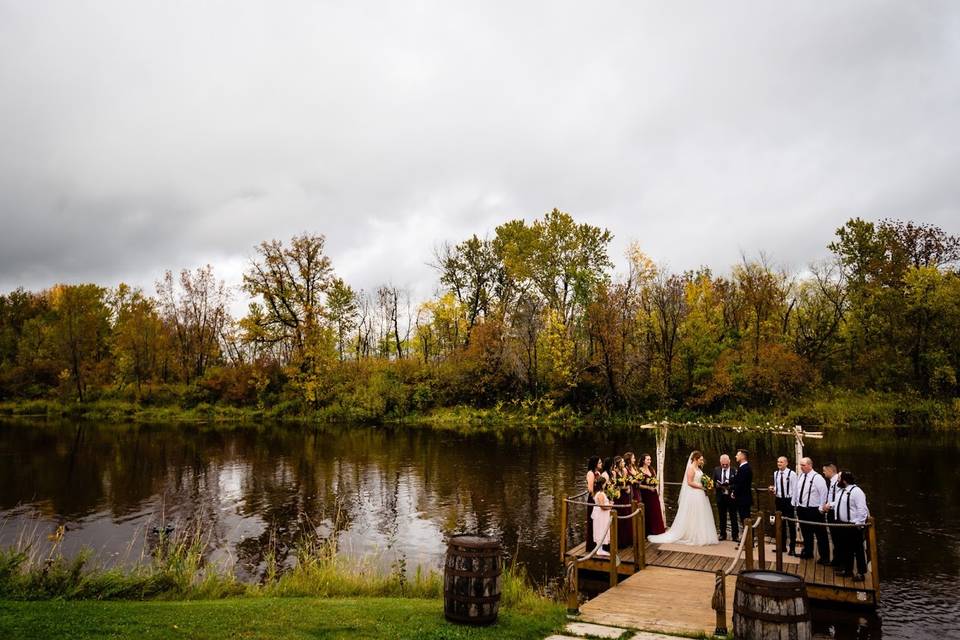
(707,482)
(649,481)
(612,491)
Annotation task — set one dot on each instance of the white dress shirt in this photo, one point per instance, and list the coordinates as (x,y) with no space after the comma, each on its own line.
(810,490)
(724,474)
(834,490)
(851,505)
(783,482)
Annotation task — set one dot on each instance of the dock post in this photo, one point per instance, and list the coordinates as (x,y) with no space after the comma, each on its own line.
(762,543)
(748,543)
(636,539)
(874,555)
(614,546)
(573,590)
(642,532)
(778,537)
(563,530)
(720,603)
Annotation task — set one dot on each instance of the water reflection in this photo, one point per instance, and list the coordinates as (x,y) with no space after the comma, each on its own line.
(398,492)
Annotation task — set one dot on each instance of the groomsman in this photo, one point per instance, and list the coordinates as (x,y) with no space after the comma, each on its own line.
(811,494)
(741,485)
(784,484)
(726,506)
(832,475)
(850,507)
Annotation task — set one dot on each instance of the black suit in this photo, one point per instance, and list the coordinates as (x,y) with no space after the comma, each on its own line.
(742,487)
(726,504)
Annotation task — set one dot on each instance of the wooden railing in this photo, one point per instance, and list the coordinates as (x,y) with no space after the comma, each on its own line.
(754,533)
(638,527)
(870,537)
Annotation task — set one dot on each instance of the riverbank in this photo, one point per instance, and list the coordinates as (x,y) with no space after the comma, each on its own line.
(174,592)
(281,618)
(835,409)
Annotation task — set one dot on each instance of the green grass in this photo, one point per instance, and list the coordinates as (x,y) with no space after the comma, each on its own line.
(353,618)
(825,406)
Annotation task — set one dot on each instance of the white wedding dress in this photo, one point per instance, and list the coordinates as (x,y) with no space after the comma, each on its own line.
(693,524)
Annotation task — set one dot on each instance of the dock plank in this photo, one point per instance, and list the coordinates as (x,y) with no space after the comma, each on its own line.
(659,599)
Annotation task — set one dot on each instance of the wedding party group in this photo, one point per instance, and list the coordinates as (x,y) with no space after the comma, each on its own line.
(813,500)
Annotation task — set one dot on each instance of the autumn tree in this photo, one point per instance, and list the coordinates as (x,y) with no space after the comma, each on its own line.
(195,306)
(138,338)
(471,271)
(341,311)
(78,332)
(291,281)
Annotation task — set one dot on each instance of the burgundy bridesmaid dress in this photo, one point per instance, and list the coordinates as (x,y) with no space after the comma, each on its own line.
(653,514)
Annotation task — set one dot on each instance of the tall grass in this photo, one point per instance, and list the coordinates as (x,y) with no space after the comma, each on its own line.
(175,569)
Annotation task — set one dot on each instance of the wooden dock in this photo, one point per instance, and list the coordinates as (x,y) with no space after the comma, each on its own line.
(822,583)
(676,588)
(659,599)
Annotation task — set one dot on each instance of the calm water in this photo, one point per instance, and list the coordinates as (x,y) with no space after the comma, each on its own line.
(397,492)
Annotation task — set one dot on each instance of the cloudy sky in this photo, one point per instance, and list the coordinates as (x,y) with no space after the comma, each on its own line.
(141,136)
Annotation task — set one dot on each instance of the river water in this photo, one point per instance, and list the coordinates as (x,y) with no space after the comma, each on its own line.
(394,493)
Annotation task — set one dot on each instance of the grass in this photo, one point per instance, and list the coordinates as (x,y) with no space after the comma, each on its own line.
(35,569)
(827,406)
(354,618)
(173,593)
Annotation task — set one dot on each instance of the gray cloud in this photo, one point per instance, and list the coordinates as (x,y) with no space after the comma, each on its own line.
(136,137)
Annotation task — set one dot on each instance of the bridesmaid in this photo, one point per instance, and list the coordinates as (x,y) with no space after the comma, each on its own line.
(624,502)
(653,514)
(607,472)
(594,467)
(630,461)
(601,518)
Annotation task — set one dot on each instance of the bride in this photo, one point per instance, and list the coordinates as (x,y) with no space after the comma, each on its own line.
(693,524)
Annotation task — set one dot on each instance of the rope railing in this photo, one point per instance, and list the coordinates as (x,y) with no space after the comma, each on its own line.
(573,586)
(824,523)
(610,533)
(719,600)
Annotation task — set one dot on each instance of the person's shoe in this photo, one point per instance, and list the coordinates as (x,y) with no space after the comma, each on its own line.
(723,538)
(825,563)
(840,573)
(793,553)
(858,577)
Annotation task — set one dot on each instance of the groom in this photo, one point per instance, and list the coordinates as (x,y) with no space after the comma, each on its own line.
(741,485)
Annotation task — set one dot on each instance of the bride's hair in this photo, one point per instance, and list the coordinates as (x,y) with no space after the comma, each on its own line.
(696,455)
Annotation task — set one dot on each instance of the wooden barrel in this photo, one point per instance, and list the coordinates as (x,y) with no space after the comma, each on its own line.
(471,579)
(771,604)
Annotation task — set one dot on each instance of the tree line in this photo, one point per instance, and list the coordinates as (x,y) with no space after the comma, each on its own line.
(531,312)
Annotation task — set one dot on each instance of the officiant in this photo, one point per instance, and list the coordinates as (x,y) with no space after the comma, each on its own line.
(726,505)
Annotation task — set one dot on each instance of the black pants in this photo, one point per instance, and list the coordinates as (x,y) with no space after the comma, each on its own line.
(811,531)
(785,507)
(850,549)
(743,510)
(727,507)
(836,538)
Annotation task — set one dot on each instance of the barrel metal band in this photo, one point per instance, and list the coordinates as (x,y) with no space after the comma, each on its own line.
(492,573)
(769,617)
(469,553)
(472,599)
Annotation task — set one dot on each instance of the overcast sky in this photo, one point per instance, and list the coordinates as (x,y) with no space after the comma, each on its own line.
(137,137)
